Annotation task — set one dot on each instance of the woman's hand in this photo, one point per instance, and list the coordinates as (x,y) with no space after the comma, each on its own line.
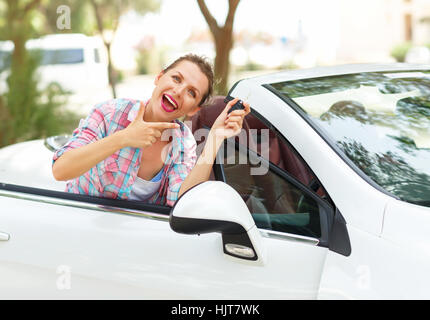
(141,134)
(225,126)
(229,124)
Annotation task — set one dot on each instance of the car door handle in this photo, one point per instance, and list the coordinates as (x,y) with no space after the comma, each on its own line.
(4,236)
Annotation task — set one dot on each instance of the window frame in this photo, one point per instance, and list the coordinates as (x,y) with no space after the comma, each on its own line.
(84,201)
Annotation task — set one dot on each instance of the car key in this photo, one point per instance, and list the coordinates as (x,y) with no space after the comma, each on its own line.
(237,106)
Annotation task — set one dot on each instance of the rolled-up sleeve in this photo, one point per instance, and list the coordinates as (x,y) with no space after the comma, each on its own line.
(90,129)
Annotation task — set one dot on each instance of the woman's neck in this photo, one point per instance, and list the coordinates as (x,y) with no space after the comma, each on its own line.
(149,115)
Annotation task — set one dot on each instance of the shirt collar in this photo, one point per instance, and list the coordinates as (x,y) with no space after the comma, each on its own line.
(134,110)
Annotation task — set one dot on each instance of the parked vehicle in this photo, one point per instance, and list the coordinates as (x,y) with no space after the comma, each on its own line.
(77,62)
(325,195)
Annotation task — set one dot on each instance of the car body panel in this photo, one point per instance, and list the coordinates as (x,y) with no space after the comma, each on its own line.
(29,164)
(112,255)
(378,268)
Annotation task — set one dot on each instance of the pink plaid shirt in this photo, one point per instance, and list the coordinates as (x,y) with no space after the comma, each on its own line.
(114,176)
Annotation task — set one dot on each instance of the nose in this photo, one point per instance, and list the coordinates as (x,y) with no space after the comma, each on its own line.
(178,91)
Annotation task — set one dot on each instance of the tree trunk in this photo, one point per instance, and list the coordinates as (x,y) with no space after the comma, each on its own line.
(111,71)
(223,45)
(223,38)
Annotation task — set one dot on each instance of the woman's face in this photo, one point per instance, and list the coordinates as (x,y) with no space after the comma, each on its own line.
(178,92)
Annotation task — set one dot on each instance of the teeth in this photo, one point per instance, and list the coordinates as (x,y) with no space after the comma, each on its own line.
(172,102)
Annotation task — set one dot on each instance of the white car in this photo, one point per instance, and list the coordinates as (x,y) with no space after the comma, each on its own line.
(325,195)
(75,61)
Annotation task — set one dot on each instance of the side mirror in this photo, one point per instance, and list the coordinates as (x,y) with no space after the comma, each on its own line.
(214,206)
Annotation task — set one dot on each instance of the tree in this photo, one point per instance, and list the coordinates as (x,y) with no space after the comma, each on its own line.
(223,38)
(107,14)
(81,18)
(26,112)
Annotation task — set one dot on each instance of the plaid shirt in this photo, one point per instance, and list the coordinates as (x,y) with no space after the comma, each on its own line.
(114,176)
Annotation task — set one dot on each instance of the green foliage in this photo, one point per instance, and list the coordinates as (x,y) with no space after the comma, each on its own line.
(27,112)
(111,10)
(399,52)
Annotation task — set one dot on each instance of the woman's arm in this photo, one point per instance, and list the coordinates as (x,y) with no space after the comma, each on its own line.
(225,126)
(76,162)
(138,134)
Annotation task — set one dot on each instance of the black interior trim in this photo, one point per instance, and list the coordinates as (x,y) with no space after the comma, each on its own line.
(118,203)
(339,241)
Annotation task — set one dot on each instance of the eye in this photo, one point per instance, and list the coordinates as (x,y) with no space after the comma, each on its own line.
(192,93)
(176,78)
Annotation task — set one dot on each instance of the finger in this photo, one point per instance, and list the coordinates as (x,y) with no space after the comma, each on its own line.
(247,107)
(234,126)
(157,133)
(152,139)
(236,113)
(141,111)
(234,119)
(230,104)
(164,125)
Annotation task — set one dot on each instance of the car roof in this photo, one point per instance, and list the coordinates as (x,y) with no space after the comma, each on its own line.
(57,41)
(324,71)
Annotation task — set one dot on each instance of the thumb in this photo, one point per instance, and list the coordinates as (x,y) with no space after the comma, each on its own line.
(230,104)
(141,111)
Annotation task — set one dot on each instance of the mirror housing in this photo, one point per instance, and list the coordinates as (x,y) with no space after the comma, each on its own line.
(214,206)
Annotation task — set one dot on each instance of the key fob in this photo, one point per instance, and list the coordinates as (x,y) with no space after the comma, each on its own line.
(237,106)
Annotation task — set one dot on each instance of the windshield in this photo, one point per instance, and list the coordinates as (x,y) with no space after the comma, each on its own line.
(380,120)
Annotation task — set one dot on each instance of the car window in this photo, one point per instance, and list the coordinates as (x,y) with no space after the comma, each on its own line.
(62,56)
(272,179)
(379,120)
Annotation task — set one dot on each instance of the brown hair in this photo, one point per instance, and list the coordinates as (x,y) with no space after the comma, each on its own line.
(204,66)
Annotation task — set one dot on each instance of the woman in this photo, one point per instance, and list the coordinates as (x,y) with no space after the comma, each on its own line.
(136,150)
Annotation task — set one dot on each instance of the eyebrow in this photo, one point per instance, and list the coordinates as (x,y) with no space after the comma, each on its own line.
(190,85)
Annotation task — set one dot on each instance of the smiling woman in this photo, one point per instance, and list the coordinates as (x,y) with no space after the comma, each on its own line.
(130,149)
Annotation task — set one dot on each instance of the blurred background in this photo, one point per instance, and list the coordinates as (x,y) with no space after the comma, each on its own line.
(58,58)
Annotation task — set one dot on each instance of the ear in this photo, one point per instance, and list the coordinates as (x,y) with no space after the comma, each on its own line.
(157,78)
(194,111)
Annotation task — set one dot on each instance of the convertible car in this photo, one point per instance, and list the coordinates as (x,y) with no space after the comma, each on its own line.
(325,194)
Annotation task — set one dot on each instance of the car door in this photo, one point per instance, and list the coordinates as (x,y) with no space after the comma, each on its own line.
(61,248)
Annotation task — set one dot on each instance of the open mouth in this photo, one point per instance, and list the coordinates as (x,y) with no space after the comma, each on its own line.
(168,103)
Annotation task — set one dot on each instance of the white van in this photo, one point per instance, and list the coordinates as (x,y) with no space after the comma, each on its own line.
(77,62)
